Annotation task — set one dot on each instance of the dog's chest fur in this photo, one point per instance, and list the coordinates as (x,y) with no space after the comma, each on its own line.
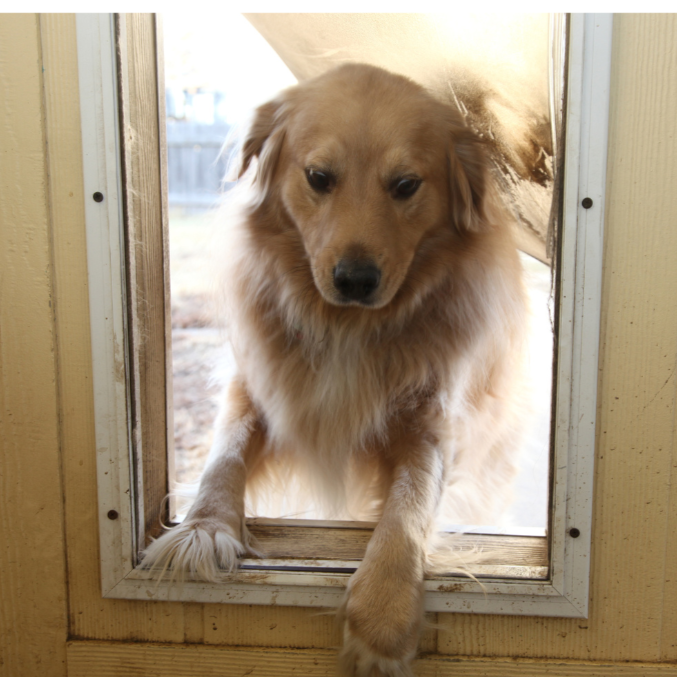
(329,401)
(324,387)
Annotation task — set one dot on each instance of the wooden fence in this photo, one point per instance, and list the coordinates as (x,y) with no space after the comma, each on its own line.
(196,165)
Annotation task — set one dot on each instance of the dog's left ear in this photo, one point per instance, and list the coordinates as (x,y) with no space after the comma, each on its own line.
(264,141)
(468,168)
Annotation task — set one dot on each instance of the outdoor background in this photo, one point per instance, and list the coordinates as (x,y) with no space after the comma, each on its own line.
(210,93)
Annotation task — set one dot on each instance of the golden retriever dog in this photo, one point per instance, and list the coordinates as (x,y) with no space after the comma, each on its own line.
(376,312)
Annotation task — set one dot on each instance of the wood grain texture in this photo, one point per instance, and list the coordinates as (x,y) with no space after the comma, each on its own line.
(164,206)
(247,625)
(642,281)
(33,612)
(633,607)
(278,541)
(637,445)
(146,245)
(120,660)
(90,615)
(634,595)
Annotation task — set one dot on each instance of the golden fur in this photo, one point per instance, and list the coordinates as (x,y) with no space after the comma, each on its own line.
(396,393)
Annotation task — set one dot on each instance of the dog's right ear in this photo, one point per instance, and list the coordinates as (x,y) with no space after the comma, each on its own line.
(264,141)
(468,168)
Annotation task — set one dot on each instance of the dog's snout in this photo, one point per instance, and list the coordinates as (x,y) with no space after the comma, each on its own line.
(357,279)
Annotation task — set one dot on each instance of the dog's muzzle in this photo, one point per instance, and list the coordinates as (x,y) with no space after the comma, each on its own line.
(356,279)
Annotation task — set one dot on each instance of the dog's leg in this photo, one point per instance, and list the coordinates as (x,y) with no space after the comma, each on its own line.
(384,604)
(214,535)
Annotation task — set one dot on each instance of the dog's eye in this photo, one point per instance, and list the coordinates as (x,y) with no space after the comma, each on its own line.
(322,182)
(404,188)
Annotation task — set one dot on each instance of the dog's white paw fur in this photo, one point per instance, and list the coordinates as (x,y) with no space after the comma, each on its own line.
(205,548)
(358,660)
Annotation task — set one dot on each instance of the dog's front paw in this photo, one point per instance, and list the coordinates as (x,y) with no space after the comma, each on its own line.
(204,547)
(382,618)
(357,659)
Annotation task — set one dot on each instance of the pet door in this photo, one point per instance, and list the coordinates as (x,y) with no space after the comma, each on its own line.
(506,74)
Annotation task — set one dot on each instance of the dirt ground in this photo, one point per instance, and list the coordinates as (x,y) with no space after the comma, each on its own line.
(194,352)
(196,343)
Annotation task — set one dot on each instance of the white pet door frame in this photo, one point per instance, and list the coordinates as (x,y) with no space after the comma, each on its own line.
(564,591)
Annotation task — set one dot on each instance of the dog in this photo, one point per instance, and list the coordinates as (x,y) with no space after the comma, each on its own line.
(376,312)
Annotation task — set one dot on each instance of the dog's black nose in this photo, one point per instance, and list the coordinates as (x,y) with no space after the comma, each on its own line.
(356,279)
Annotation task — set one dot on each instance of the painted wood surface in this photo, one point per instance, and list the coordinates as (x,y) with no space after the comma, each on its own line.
(146,245)
(89,614)
(33,616)
(633,613)
(119,660)
(632,595)
(300,541)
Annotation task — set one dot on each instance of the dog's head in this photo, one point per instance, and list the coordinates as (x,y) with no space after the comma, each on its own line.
(368,165)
